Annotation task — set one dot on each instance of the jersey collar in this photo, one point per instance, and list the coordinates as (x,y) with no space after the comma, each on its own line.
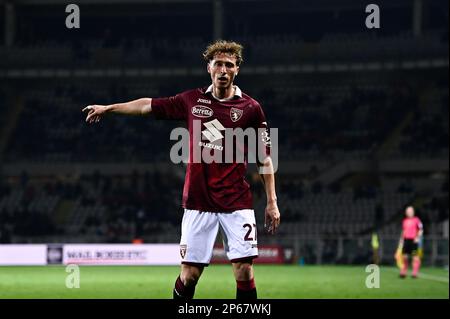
(237,93)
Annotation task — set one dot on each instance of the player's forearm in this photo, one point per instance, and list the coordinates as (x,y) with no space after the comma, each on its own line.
(270,188)
(269,181)
(137,107)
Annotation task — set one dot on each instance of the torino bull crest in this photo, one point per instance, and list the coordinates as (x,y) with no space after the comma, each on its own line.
(236,114)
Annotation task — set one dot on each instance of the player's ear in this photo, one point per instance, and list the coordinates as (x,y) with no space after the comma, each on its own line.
(208,67)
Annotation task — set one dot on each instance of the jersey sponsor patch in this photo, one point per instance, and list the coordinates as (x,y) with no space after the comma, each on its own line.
(212,132)
(202,111)
(265,138)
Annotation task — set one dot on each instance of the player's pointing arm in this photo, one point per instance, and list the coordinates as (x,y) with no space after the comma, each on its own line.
(137,107)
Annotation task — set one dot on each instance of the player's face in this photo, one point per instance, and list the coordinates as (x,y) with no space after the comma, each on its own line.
(410,212)
(223,70)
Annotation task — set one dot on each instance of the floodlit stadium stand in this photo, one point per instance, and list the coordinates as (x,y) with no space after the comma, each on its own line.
(362,121)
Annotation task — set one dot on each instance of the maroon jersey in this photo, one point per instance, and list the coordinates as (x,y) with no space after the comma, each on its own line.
(214,187)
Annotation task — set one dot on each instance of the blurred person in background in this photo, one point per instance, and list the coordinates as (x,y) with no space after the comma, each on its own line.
(411,236)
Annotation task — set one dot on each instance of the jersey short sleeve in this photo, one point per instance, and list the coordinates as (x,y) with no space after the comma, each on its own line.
(419,224)
(169,108)
(263,133)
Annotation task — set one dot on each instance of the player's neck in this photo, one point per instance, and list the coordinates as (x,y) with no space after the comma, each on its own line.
(225,93)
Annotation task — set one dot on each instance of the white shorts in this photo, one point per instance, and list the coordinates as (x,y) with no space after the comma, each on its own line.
(199,231)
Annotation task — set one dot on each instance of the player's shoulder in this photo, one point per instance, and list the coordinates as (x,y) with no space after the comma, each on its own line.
(253,103)
(192,92)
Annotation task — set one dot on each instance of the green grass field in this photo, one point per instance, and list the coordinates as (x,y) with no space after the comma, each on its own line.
(273,282)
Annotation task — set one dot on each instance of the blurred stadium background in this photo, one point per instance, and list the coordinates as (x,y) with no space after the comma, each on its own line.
(363,131)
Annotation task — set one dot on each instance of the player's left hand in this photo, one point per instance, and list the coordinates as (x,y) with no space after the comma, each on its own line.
(272,218)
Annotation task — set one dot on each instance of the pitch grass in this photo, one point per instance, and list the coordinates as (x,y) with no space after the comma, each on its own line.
(273,282)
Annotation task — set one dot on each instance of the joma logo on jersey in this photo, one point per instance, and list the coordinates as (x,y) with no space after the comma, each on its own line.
(202,111)
(203,101)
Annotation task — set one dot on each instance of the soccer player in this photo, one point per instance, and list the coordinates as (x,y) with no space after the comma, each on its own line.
(409,240)
(216,195)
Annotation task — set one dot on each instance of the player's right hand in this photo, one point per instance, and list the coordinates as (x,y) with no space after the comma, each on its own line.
(95,113)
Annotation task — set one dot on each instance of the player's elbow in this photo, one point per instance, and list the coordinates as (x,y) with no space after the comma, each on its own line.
(146,106)
(266,166)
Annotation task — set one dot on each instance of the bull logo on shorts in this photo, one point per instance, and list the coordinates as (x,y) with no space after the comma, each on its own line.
(236,114)
(183,249)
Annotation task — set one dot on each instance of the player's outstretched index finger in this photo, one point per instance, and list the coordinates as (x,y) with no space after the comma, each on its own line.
(89,107)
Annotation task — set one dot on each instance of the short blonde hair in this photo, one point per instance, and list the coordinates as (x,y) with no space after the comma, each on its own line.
(222,46)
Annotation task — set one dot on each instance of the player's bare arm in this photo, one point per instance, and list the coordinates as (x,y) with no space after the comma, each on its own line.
(141,106)
(419,234)
(272,213)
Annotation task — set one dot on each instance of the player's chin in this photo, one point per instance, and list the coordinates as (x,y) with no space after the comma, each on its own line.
(222,84)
